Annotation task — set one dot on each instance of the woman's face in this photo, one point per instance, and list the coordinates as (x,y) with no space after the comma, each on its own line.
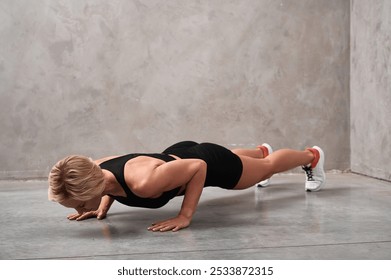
(82,206)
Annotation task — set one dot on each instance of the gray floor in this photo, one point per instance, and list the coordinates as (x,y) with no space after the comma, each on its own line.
(349,219)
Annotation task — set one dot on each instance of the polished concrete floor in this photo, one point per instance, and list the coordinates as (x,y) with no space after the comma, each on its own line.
(349,219)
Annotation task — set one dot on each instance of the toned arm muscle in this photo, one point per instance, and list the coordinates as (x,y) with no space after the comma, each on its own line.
(189,172)
(167,176)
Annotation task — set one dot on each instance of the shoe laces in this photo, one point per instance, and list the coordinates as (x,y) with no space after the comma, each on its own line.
(308,171)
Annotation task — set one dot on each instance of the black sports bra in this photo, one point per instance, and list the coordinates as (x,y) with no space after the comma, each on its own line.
(117,165)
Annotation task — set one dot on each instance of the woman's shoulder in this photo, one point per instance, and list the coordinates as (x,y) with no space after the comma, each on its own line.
(139,158)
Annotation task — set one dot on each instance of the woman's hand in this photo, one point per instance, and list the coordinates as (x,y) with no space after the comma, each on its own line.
(99,214)
(85,213)
(174,224)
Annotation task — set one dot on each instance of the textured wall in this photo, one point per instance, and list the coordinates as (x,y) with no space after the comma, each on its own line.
(108,77)
(371,88)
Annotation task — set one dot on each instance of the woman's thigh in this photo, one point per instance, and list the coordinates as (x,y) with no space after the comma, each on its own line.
(254,171)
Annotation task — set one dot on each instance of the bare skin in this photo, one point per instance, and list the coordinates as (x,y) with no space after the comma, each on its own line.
(150,177)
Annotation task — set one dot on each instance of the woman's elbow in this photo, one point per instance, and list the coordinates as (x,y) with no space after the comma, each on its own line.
(202,165)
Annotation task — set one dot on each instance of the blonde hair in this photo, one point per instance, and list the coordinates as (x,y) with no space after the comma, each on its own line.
(75,177)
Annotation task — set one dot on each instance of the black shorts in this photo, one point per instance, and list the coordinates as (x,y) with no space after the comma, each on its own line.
(224,168)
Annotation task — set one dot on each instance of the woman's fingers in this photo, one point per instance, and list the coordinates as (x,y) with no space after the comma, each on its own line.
(87,215)
(158,226)
(162,228)
(172,224)
(73,216)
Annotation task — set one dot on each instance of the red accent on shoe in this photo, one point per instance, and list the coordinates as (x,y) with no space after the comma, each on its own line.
(316,155)
(264,150)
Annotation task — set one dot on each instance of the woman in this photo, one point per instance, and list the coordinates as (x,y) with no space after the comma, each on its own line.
(151,180)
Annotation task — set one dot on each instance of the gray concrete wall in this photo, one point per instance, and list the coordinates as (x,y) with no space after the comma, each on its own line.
(108,77)
(371,88)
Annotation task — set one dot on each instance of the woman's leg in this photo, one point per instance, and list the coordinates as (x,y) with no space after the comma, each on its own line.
(261,151)
(255,170)
(253,153)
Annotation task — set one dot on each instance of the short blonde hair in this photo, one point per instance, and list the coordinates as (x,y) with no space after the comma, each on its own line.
(75,177)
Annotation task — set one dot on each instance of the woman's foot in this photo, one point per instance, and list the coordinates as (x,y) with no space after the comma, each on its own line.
(315,175)
(266,150)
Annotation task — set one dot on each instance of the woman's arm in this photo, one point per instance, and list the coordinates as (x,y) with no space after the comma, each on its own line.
(194,172)
(104,206)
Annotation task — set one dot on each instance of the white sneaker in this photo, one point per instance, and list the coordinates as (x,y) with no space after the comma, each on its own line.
(266,182)
(315,175)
